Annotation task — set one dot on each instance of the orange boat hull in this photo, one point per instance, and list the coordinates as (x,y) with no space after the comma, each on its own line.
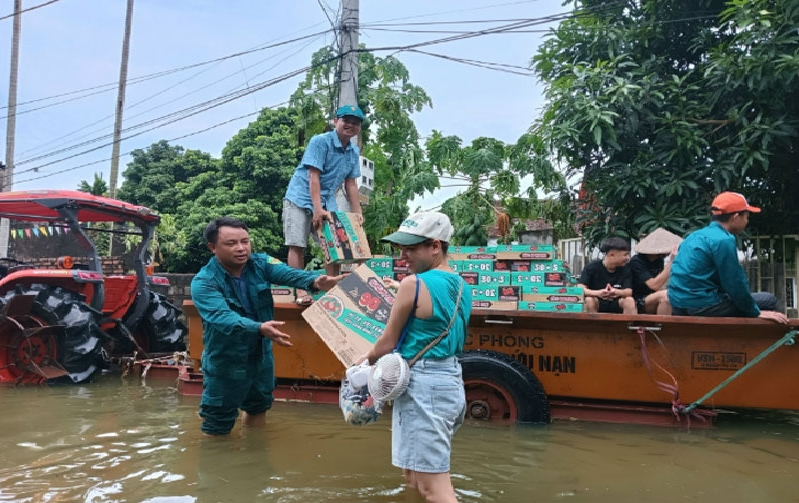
(596,357)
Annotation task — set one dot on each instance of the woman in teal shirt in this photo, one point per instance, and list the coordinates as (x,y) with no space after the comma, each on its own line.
(426,416)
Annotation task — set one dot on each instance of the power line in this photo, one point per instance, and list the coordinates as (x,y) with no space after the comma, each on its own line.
(180,115)
(432,14)
(160,93)
(499,67)
(45,4)
(163,73)
(204,106)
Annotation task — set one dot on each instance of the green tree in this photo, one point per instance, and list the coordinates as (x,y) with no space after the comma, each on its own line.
(153,174)
(492,174)
(659,104)
(98,187)
(248,183)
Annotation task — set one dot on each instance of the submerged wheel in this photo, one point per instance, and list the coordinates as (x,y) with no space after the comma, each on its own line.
(499,387)
(160,329)
(80,350)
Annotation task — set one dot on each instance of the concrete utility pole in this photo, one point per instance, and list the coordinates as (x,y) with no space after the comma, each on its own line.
(7,176)
(348,30)
(348,72)
(123,80)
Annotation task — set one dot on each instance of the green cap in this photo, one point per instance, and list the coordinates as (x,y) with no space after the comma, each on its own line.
(352,110)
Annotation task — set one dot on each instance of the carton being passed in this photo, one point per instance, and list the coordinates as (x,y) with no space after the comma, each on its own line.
(351,317)
(343,240)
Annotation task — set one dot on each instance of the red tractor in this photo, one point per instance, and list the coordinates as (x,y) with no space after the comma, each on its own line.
(64,324)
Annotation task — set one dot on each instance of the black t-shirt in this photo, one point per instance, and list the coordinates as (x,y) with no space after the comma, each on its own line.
(643,270)
(596,277)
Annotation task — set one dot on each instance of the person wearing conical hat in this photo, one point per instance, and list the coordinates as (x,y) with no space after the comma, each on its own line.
(651,271)
(707,279)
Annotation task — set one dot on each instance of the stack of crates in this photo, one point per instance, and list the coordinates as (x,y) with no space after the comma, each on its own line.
(505,277)
(517,277)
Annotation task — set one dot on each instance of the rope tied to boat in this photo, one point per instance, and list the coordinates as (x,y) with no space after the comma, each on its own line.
(673,389)
(789,339)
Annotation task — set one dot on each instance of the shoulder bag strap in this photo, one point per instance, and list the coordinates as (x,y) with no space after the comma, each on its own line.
(445,332)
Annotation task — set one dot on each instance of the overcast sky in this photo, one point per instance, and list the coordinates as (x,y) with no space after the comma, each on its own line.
(76,44)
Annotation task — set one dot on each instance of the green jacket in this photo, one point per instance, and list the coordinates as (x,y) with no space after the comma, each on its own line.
(226,328)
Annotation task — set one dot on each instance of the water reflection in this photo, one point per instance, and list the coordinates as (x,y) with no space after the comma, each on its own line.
(119,441)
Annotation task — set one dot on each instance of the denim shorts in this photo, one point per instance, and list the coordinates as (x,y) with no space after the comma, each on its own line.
(297,225)
(426,417)
(223,397)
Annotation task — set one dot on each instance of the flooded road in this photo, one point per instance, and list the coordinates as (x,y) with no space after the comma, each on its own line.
(121,441)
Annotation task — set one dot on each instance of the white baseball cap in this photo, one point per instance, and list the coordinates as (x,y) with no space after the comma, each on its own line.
(420,227)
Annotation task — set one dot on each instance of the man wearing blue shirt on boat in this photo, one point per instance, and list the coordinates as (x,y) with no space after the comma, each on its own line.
(330,159)
(707,279)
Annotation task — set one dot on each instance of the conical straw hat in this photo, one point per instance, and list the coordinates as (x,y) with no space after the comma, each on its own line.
(659,242)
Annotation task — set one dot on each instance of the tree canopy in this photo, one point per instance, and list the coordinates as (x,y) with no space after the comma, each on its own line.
(660,104)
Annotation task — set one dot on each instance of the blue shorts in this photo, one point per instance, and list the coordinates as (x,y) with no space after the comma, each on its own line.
(426,417)
(223,397)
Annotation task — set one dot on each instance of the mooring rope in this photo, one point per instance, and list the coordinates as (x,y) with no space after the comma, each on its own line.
(787,340)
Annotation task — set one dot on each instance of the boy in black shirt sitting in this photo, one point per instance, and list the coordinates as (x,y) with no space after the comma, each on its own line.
(608,283)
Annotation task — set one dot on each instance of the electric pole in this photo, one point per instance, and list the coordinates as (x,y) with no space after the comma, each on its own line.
(7,176)
(123,79)
(120,105)
(348,31)
(348,72)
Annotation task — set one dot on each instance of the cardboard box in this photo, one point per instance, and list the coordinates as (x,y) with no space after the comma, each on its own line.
(485,293)
(283,294)
(399,265)
(551,266)
(556,307)
(526,252)
(539,278)
(494,305)
(478,266)
(351,317)
(472,252)
(563,294)
(513,265)
(456,265)
(399,276)
(343,240)
(379,263)
(510,293)
(493,278)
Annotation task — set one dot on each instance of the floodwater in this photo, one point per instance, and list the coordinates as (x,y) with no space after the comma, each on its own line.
(118,440)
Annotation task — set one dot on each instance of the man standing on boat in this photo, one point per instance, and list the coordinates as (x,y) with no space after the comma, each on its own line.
(707,278)
(330,159)
(232,296)
(608,283)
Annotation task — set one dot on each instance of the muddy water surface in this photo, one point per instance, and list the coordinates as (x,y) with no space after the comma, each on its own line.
(121,441)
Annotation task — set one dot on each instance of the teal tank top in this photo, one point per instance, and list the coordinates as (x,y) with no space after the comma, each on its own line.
(443,288)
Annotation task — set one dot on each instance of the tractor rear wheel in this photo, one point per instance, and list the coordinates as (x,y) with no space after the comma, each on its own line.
(80,349)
